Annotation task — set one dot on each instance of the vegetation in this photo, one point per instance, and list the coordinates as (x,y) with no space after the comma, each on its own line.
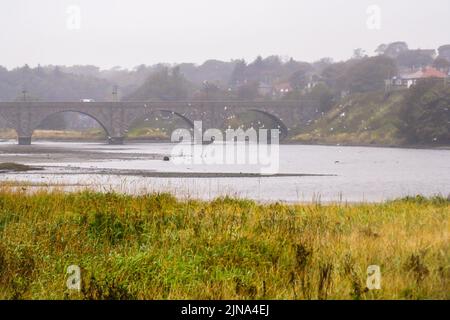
(418,116)
(50,84)
(163,85)
(426,113)
(138,132)
(155,247)
(364,118)
(148,133)
(17,167)
(91,134)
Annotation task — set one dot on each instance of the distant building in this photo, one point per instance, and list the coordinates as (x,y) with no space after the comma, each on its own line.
(314,80)
(407,80)
(283,88)
(265,89)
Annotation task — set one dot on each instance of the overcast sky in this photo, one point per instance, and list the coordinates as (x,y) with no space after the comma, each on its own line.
(131,32)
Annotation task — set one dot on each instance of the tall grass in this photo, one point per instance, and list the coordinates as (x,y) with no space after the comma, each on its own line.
(156,247)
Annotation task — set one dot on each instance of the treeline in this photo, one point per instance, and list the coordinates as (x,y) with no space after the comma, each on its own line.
(272,77)
(49,83)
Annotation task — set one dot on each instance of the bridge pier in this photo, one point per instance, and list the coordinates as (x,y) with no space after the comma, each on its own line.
(24,141)
(115,140)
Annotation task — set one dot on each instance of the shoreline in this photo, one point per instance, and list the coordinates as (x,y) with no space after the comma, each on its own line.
(40,170)
(289,142)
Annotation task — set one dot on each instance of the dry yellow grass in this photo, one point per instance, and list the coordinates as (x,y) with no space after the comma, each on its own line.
(155,247)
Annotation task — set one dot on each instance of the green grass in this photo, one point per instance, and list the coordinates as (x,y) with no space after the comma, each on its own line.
(157,247)
(148,133)
(370,118)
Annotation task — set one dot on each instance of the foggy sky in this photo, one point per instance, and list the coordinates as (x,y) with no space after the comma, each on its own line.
(133,32)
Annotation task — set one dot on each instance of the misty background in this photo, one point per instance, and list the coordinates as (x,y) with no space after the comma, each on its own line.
(133,32)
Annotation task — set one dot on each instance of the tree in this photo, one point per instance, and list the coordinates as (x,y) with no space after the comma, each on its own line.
(444,52)
(425,113)
(334,74)
(255,70)
(299,79)
(414,58)
(441,64)
(369,74)
(359,54)
(381,49)
(238,75)
(321,64)
(215,71)
(323,95)
(211,91)
(163,85)
(393,50)
(50,83)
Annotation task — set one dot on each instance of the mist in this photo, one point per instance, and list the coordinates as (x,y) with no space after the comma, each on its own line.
(128,33)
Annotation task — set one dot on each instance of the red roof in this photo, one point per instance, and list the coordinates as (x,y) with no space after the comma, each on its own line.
(426,73)
(433,73)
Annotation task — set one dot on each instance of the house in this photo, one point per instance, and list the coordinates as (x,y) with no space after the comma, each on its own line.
(407,80)
(265,89)
(314,80)
(283,88)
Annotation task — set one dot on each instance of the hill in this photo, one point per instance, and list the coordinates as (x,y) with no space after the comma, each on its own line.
(418,116)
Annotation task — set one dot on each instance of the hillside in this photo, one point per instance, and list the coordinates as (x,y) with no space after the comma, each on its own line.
(418,116)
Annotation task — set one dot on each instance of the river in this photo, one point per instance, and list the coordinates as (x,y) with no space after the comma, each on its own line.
(312,173)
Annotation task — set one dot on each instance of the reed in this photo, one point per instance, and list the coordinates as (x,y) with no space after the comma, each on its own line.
(157,247)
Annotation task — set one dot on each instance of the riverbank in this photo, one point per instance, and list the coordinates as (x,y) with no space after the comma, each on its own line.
(157,247)
(308,138)
(305,142)
(408,118)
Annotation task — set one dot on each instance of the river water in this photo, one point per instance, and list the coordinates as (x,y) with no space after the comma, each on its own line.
(353,174)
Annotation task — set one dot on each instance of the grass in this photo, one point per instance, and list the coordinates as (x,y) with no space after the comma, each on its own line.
(368,119)
(157,247)
(92,134)
(148,133)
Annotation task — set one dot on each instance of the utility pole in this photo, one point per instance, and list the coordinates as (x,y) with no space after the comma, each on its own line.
(206,87)
(114,93)
(24,94)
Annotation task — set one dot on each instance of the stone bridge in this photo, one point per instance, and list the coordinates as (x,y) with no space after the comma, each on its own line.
(117,117)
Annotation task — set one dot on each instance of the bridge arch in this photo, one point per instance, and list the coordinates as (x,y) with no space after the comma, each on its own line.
(152,113)
(6,123)
(41,120)
(279,124)
(184,118)
(283,128)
